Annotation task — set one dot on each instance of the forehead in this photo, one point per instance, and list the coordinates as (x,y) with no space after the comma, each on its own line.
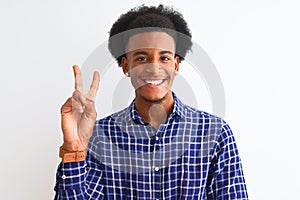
(151,40)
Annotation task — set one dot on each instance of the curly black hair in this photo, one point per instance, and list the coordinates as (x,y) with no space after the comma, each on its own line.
(140,19)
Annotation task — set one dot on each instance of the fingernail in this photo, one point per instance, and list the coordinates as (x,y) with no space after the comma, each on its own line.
(75,68)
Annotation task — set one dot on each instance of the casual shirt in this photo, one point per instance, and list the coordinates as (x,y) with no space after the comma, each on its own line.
(193,155)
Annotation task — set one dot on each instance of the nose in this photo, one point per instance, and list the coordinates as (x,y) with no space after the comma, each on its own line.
(153,67)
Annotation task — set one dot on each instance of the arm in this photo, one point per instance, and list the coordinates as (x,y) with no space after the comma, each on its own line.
(79,180)
(226,178)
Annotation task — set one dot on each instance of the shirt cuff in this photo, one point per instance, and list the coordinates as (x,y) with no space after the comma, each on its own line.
(72,175)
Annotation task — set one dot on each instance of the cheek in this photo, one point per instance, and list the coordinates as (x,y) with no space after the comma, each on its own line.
(134,71)
(170,70)
(134,74)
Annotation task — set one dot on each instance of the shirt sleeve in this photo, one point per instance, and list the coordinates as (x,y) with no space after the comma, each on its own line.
(226,178)
(79,180)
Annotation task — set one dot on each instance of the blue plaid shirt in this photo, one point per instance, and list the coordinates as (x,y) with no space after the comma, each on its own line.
(193,155)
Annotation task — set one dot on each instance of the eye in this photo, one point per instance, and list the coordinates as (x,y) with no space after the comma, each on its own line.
(141,58)
(165,58)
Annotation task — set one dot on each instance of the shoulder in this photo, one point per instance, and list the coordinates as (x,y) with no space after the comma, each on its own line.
(104,127)
(216,128)
(121,115)
(210,123)
(194,114)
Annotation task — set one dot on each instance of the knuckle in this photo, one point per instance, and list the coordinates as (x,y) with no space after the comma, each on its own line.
(90,102)
(76,93)
(62,108)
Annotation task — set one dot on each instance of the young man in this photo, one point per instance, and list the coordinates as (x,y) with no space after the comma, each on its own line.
(158,147)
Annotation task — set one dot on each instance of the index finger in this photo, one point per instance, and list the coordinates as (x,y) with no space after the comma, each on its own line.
(78,78)
(94,86)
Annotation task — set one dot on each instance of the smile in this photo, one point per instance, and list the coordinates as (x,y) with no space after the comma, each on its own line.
(154,82)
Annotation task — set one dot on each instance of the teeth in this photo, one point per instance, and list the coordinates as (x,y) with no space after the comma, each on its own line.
(154,82)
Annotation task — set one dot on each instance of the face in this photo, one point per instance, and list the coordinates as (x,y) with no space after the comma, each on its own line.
(151,64)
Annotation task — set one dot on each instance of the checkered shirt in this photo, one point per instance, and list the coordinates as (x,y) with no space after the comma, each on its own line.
(193,155)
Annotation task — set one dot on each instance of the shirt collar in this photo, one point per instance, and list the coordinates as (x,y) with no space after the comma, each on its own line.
(178,110)
(178,107)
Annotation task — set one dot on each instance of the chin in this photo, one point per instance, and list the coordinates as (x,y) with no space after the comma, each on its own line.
(152,95)
(154,100)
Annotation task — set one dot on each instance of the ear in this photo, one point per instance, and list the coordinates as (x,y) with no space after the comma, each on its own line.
(177,61)
(125,65)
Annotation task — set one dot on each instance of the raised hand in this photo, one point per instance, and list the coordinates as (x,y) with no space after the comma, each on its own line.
(78,114)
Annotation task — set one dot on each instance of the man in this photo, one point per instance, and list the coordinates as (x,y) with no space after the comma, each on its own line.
(158,147)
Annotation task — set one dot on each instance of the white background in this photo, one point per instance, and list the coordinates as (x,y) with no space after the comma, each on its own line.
(254,45)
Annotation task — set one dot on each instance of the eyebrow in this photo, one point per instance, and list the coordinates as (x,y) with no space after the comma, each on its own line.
(166,52)
(139,53)
(145,53)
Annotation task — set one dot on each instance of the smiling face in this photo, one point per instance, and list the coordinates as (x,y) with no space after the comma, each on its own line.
(151,64)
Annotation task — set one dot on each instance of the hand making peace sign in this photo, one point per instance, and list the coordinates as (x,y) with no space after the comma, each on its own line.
(78,114)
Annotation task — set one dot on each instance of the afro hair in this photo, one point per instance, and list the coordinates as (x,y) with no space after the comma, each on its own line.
(140,19)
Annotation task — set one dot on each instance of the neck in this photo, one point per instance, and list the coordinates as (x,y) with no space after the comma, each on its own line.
(155,112)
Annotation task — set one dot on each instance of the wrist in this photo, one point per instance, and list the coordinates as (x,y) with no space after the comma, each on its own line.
(72,156)
(72,147)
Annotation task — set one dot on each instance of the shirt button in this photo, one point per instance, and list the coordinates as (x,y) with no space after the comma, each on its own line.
(63,177)
(156,168)
(156,138)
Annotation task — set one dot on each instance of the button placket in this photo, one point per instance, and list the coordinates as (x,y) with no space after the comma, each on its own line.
(157,171)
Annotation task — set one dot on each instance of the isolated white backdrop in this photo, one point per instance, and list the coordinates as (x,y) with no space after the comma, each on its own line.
(254,45)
